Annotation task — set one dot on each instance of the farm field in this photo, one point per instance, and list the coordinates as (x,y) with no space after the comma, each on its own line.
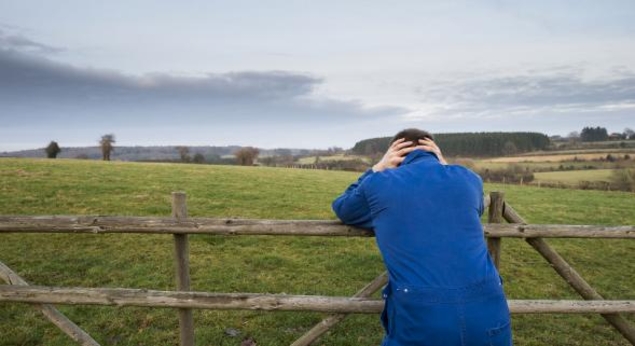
(562,156)
(607,145)
(554,166)
(295,265)
(340,157)
(572,178)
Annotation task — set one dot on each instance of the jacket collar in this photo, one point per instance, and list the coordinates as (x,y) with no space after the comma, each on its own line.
(419,155)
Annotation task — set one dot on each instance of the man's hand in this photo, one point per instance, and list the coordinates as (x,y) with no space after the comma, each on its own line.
(395,155)
(429,145)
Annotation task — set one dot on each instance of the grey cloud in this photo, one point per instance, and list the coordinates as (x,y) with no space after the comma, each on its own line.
(23,44)
(33,86)
(36,77)
(267,85)
(562,89)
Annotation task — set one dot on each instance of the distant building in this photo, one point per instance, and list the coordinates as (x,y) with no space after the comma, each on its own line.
(557,138)
(616,136)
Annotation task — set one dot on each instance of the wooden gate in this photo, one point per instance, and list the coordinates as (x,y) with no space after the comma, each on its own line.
(184,300)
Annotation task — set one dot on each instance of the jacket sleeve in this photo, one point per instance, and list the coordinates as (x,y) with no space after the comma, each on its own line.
(352,207)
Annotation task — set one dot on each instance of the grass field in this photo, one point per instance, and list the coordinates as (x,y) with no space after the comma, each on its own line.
(339,157)
(572,178)
(555,166)
(295,265)
(561,157)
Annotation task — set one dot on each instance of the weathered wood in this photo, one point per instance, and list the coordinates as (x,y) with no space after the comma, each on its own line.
(109,224)
(573,278)
(50,312)
(327,323)
(156,225)
(559,231)
(583,288)
(497,203)
(511,215)
(124,297)
(486,201)
(182,259)
(178,299)
(497,200)
(570,306)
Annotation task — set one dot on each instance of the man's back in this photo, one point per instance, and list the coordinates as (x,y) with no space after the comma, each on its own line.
(426,218)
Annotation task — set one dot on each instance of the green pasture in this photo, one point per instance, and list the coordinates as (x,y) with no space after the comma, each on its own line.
(572,178)
(552,166)
(309,160)
(588,148)
(294,265)
(607,145)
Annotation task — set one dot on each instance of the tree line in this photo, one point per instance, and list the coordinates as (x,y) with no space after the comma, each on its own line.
(600,134)
(471,144)
(106,144)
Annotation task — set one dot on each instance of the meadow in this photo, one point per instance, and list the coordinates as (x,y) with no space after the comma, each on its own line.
(339,157)
(579,169)
(295,265)
(573,178)
(563,156)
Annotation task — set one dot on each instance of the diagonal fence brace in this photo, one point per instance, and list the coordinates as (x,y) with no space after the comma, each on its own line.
(572,277)
(309,337)
(50,312)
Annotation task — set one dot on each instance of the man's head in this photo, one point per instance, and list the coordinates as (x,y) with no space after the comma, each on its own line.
(412,135)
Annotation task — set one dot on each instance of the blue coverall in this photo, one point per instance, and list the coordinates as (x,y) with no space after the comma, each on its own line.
(443,288)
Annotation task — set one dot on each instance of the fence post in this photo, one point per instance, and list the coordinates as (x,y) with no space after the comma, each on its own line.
(495,216)
(182,257)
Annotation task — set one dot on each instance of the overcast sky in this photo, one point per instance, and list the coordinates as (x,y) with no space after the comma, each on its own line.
(309,74)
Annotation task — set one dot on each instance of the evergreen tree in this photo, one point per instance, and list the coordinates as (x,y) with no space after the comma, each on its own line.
(594,134)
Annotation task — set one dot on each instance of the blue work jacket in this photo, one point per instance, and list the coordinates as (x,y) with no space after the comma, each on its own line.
(426,219)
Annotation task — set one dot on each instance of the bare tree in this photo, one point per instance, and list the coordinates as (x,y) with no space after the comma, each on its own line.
(623,179)
(198,158)
(184,153)
(52,150)
(107,146)
(574,136)
(246,156)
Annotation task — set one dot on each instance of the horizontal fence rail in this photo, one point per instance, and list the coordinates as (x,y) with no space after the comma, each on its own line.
(159,225)
(268,302)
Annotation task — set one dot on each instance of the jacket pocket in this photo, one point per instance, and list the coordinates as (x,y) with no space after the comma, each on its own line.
(501,335)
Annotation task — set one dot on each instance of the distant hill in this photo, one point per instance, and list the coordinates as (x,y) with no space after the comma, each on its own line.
(150,153)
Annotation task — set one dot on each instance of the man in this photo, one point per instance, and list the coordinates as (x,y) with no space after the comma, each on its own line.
(443,287)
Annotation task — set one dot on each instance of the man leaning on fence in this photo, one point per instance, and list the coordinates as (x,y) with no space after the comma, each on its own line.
(443,288)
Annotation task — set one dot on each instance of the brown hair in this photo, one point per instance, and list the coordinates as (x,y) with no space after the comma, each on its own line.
(413,135)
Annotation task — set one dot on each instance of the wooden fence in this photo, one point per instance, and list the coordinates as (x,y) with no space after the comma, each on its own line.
(18,290)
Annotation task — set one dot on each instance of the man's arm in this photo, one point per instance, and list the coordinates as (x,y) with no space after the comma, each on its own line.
(352,208)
